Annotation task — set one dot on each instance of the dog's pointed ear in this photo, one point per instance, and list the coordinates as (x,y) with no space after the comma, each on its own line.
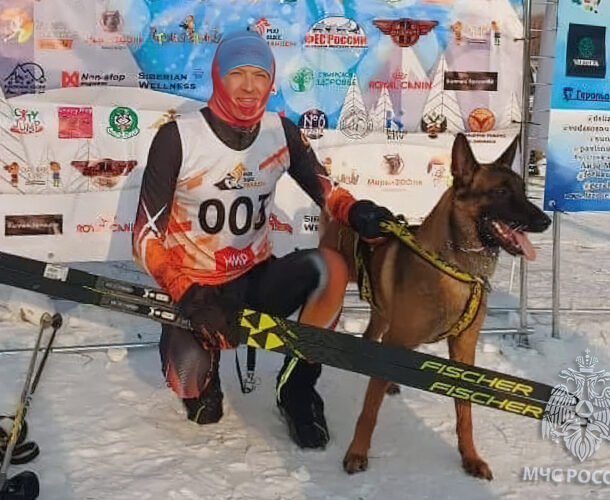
(507,158)
(463,164)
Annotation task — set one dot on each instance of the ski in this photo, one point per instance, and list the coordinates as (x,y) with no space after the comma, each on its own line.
(412,368)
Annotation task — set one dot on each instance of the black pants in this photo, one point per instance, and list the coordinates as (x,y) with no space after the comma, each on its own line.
(276,286)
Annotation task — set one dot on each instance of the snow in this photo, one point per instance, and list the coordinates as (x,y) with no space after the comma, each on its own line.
(108,427)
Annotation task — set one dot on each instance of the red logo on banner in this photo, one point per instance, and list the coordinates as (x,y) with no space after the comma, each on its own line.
(404,31)
(229,258)
(70,79)
(75,122)
(276,225)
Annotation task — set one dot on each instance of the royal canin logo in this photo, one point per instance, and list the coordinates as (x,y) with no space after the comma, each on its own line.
(276,225)
(230,259)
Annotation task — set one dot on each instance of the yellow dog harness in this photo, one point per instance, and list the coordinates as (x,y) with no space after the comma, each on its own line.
(477,283)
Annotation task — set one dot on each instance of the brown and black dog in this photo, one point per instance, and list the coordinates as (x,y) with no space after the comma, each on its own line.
(485,209)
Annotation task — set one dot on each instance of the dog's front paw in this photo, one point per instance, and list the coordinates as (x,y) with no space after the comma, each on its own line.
(355,462)
(477,467)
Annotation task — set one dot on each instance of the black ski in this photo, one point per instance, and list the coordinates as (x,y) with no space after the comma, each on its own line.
(404,366)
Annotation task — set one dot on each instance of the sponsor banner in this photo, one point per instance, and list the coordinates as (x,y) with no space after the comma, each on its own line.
(32,225)
(409,174)
(578,171)
(471,80)
(70,227)
(366,84)
(580,79)
(393,46)
(578,161)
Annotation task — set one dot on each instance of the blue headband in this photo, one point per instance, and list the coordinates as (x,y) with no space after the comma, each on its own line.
(243,48)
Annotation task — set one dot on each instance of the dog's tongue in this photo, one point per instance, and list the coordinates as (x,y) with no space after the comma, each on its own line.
(529,252)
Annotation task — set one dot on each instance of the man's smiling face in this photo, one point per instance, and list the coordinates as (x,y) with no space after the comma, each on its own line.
(247,86)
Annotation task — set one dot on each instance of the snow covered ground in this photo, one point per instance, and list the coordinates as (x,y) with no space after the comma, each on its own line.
(112,430)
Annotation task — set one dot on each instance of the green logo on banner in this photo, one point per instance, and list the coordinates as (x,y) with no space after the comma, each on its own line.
(586,47)
(302,80)
(123,123)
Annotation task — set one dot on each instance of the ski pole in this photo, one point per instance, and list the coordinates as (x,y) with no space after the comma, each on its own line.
(56,322)
(5,487)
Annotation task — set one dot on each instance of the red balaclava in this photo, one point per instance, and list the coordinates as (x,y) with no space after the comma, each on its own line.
(242,48)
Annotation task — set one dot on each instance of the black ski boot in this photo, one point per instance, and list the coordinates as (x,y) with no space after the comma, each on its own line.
(300,404)
(207,408)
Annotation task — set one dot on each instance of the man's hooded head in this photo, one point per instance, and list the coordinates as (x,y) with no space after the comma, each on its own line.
(243,71)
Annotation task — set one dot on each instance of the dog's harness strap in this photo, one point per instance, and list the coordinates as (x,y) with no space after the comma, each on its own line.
(399,229)
(469,314)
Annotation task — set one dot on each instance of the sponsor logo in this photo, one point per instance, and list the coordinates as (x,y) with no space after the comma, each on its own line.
(230,258)
(393,163)
(13,171)
(106,224)
(123,123)
(16,25)
(312,123)
(336,32)
(393,183)
(26,121)
(54,35)
(54,43)
(310,223)
(77,79)
(475,33)
(569,94)
(105,167)
(438,168)
(165,81)
(188,33)
(351,179)
(33,225)
(118,41)
(55,169)
(400,81)
(37,175)
(111,21)
(271,33)
(481,120)
(404,31)
(25,78)
(433,123)
(302,80)
(578,411)
(470,80)
(111,36)
(588,5)
(355,123)
(276,225)
(586,51)
(395,135)
(238,178)
(75,122)
(481,396)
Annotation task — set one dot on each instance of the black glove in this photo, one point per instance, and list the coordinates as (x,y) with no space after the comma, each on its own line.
(211,309)
(365,216)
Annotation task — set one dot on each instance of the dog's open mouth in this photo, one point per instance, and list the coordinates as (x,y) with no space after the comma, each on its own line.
(513,240)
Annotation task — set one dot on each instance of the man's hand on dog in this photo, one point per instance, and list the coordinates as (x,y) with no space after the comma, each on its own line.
(365,218)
